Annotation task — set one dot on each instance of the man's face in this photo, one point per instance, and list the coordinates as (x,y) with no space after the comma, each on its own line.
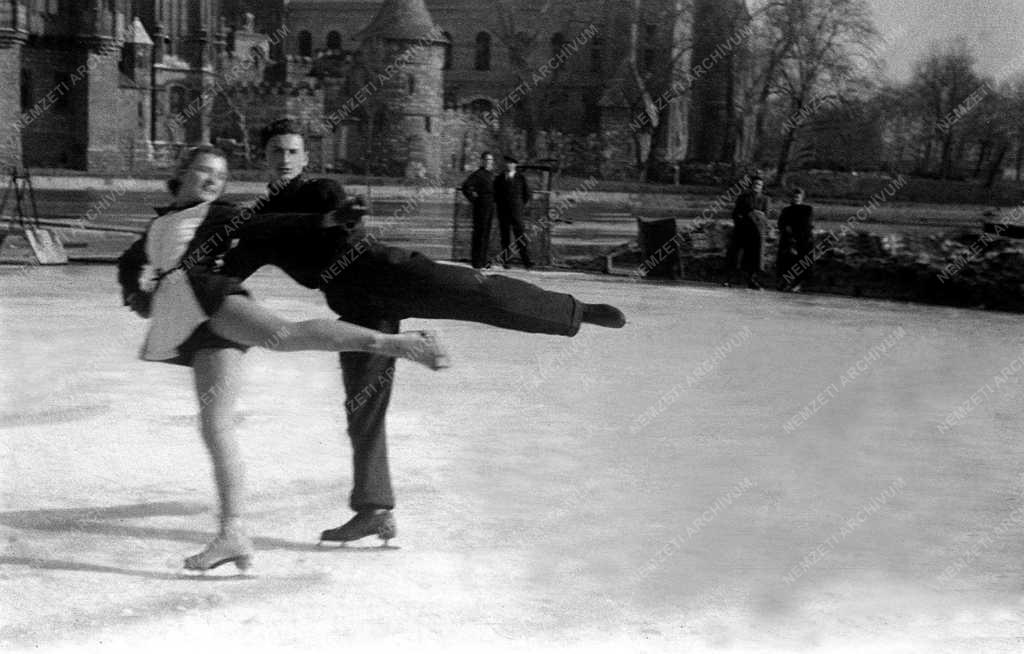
(511,167)
(487,162)
(286,157)
(758,186)
(203,180)
(797,198)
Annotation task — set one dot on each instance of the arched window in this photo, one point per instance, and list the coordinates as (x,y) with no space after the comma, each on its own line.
(177,100)
(448,51)
(596,54)
(26,89)
(305,44)
(481,106)
(333,40)
(557,41)
(483,51)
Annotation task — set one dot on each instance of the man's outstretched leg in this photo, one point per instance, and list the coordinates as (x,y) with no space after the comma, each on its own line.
(368,379)
(397,282)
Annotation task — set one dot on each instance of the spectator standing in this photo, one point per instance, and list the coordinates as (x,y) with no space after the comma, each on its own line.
(796,240)
(479,190)
(750,223)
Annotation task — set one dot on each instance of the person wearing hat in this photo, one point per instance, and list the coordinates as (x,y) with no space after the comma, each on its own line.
(479,190)
(511,195)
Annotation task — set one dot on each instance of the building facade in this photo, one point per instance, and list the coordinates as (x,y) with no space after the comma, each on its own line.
(401,87)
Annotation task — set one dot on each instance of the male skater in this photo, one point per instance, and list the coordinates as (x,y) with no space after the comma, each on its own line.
(370,284)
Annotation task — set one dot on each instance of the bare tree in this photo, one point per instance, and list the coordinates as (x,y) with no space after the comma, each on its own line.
(942,81)
(1011,92)
(830,41)
(519,30)
(767,47)
(663,84)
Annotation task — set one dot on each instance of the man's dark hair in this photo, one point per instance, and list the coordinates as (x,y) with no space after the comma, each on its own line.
(174,183)
(486,153)
(755,179)
(796,190)
(280,126)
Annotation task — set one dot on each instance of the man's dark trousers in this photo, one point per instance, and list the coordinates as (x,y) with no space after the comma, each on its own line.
(384,285)
(373,285)
(483,217)
(368,379)
(479,190)
(510,197)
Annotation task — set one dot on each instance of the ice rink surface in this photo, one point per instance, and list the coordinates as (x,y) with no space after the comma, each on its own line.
(733,471)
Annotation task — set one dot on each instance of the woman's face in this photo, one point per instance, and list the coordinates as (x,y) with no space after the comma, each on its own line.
(203,180)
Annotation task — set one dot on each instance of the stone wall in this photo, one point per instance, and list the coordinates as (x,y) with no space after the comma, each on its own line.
(263,103)
(10,102)
(57,137)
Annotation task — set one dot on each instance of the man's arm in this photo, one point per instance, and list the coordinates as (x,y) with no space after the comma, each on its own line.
(527,194)
(469,188)
(785,223)
(245,258)
(498,188)
(739,208)
(323,203)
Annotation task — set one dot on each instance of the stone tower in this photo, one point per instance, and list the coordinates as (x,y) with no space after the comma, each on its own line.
(101,30)
(138,67)
(13,34)
(714,130)
(404,51)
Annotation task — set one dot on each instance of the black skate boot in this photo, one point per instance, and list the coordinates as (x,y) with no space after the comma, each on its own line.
(364,523)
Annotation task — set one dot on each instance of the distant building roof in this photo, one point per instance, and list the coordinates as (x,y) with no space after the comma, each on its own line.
(138,34)
(403,20)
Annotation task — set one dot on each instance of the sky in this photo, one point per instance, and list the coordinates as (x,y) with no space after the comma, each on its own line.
(994,30)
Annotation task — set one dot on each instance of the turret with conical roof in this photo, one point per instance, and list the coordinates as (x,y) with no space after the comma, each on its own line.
(402,20)
(404,51)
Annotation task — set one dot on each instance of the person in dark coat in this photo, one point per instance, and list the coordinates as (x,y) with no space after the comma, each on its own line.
(750,225)
(511,195)
(374,285)
(796,241)
(479,190)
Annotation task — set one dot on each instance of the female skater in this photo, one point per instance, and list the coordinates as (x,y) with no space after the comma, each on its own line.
(206,320)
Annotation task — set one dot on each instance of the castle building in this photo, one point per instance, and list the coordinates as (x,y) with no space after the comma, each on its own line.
(401,87)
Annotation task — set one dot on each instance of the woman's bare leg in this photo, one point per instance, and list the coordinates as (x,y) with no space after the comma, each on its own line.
(216,378)
(244,321)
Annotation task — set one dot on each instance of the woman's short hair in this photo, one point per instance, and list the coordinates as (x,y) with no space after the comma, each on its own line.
(174,183)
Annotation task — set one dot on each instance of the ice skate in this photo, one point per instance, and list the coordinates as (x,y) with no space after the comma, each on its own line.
(229,547)
(423,347)
(364,523)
